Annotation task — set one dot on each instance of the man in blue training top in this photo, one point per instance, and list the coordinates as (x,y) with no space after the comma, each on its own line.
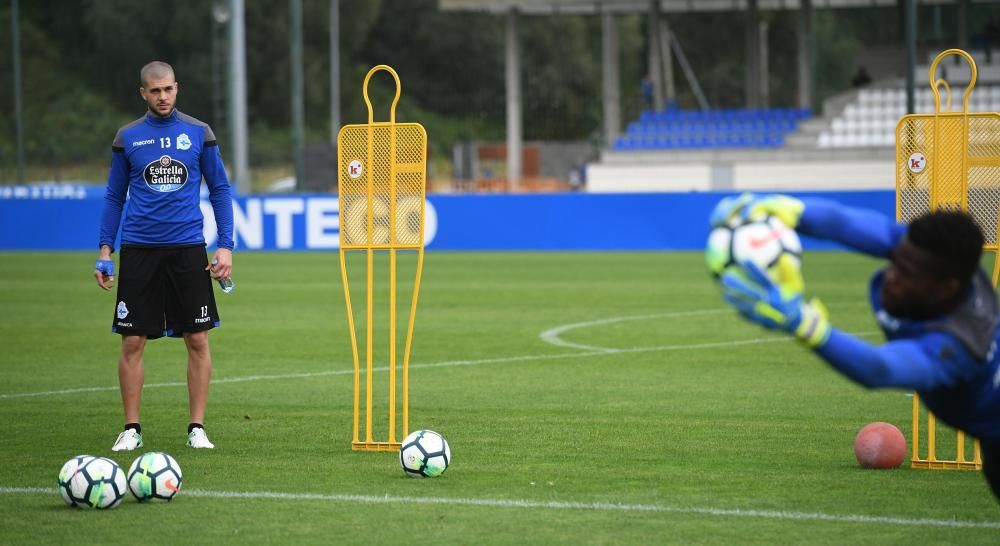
(936,306)
(165,279)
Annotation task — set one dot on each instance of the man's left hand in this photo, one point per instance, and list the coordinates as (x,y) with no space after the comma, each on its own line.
(221,265)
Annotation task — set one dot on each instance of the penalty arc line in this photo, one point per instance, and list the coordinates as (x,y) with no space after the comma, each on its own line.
(552,335)
(565,505)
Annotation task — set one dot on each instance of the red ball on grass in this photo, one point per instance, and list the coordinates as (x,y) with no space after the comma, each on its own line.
(880,445)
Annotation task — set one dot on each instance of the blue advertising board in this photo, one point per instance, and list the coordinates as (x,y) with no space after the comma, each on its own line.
(54,219)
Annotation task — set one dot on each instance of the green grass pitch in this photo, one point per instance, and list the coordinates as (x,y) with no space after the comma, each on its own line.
(605,398)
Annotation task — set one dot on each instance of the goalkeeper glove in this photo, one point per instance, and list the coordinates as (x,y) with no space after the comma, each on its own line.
(760,300)
(749,206)
(728,208)
(106,267)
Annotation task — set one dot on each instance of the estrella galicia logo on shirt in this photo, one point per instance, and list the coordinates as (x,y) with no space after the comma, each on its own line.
(165,174)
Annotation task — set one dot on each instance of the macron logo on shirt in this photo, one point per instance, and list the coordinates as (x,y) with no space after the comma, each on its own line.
(143,142)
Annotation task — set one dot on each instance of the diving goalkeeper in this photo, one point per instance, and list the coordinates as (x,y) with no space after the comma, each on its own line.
(937,308)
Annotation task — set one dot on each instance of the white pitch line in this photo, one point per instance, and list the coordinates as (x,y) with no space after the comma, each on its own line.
(444,364)
(564,505)
(551,335)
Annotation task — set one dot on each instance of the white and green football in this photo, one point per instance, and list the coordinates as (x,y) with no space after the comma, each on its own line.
(154,476)
(92,482)
(767,242)
(424,454)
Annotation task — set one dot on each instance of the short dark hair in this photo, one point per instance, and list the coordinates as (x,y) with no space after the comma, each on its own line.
(155,70)
(954,240)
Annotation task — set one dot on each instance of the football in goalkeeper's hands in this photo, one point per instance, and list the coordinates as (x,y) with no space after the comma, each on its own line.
(767,242)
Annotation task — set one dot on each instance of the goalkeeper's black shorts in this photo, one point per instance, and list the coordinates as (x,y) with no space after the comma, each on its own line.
(164,291)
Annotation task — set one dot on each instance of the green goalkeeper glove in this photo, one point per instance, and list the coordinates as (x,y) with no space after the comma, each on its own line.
(728,208)
(761,300)
(749,206)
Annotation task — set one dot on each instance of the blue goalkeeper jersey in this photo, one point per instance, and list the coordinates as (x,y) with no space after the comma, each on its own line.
(158,163)
(950,360)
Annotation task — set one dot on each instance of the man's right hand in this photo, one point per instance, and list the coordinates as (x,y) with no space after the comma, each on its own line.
(104,271)
(758,298)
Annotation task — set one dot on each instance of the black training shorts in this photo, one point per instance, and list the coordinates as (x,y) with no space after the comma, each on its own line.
(164,291)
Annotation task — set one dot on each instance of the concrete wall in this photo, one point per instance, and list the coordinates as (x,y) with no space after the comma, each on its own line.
(737,176)
(605,178)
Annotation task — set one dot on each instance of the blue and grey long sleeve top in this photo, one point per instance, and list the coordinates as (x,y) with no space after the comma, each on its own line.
(158,163)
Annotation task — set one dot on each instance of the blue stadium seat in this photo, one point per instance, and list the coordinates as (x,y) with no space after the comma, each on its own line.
(723,128)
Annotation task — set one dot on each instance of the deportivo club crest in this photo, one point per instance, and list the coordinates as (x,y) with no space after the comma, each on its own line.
(165,174)
(122,310)
(183,142)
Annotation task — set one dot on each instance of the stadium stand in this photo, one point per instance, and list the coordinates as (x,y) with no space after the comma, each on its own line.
(847,144)
(870,119)
(854,119)
(681,129)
